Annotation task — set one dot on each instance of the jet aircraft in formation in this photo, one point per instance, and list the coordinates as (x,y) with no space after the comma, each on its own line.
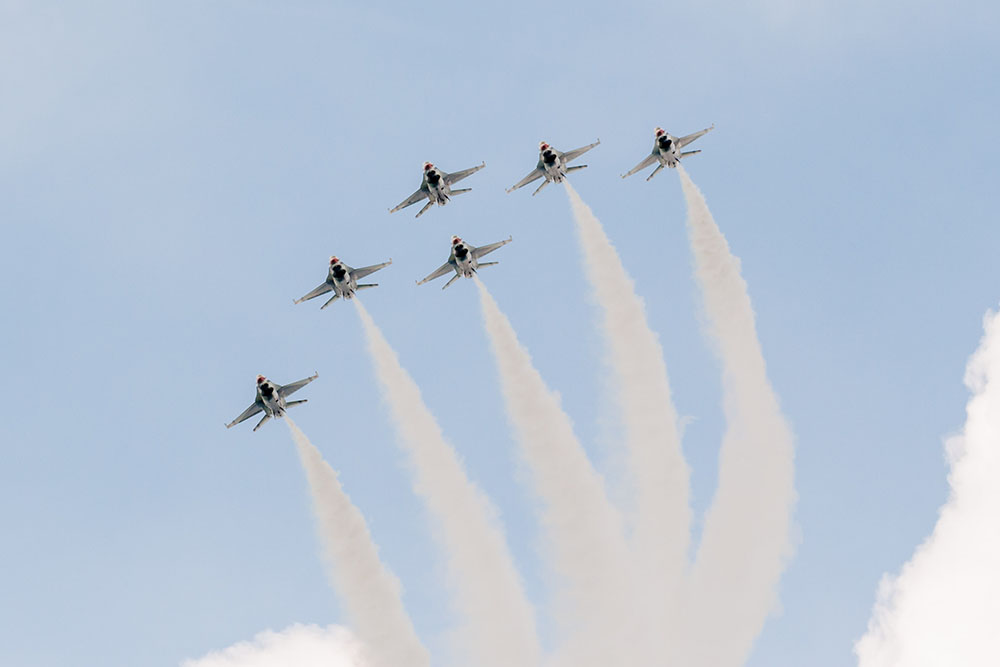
(271,400)
(666,151)
(436,187)
(464,260)
(343,281)
(553,165)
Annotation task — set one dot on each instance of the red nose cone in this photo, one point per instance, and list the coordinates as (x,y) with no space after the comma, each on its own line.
(260,379)
(455,240)
(427,166)
(659,132)
(333,260)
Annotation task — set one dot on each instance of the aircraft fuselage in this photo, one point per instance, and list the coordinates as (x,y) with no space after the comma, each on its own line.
(274,404)
(436,186)
(343,282)
(463,260)
(552,164)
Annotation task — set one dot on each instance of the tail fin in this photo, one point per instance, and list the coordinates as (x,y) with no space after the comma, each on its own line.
(424,209)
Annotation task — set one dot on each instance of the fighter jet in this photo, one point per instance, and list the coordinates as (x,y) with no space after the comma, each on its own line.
(552,165)
(436,187)
(343,281)
(271,400)
(666,150)
(464,260)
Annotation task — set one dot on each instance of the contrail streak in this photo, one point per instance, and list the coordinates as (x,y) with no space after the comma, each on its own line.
(662,521)
(372,595)
(746,540)
(498,621)
(587,546)
(944,607)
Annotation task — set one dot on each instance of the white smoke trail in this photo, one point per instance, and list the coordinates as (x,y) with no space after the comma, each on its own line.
(299,645)
(746,539)
(662,520)
(944,607)
(498,621)
(372,596)
(595,598)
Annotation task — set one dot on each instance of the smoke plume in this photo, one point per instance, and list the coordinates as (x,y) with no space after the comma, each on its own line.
(371,595)
(662,517)
(746,539)
(498,625)
(299,645)
(944,607)
(595,600)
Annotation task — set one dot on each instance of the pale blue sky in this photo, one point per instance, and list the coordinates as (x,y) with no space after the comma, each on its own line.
(173,174)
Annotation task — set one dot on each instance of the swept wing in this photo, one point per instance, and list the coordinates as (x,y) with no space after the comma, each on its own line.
(684,141)
(574,154)
(417,196)
(289,389)
(254,408)
(366,271)
(487,249)
(455,177)
(440,271)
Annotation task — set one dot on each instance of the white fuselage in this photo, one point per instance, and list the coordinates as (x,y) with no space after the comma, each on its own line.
(342,280)
(463,260)
(552,164)
(274,404)
(666,150)
(437,187)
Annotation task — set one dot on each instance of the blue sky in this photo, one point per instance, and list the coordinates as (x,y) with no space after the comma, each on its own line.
(174,174)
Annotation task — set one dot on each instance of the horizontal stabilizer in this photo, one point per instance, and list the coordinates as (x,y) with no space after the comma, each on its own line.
(579,166)
(261,422)
(291,403)
(448,284)
(461,192)
(332,299)
(424,209)
(690,153)
(367,285)
(544,183)
(482,264)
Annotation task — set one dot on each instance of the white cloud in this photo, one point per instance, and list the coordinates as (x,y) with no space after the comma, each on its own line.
(298,646)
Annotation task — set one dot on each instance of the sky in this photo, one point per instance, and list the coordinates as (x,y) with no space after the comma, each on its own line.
(173,175)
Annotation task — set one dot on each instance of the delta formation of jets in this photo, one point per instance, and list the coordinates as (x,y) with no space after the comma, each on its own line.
(463,259)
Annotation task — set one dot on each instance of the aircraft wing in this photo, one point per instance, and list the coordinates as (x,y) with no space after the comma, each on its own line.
(650,159)
(322,289)
(443,269)
(419,195)
(574,154)
(684,141)
(455,177)
(254,408)
(289,389)
(366,271)
(537,173)
(487,249)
